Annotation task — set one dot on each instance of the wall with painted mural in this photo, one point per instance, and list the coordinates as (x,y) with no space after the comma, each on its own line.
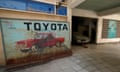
(27,41)
(2,56)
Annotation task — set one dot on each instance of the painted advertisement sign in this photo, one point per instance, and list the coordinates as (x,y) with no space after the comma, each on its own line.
(112,30)
(27,41)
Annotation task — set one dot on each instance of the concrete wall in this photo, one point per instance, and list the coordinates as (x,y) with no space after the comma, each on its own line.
(16,14)
(99,31)
(84,13)
(47,1)
(92,14)
(69,19)
(6,13)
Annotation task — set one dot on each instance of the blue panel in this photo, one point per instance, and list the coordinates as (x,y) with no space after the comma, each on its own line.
(62,11)
(112,30)
(13,4)
(40,7)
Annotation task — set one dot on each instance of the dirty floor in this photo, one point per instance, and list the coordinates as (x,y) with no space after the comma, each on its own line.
(95,58)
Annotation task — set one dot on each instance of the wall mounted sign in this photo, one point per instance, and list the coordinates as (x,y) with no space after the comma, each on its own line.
(112,29)
(41,7)
(29,5)
(62,10)
(13,4)
(27,41)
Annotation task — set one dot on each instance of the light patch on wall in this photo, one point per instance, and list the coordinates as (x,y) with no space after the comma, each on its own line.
(37,0)
(47,1)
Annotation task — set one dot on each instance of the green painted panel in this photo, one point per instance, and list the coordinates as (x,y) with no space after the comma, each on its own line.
(112,29)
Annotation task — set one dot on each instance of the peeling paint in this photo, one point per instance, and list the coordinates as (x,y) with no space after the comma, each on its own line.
(24,46)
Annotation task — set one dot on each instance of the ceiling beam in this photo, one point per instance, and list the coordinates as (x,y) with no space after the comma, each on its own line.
(75,3)
(109,11)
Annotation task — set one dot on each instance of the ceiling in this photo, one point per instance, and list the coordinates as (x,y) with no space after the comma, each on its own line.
(99,5)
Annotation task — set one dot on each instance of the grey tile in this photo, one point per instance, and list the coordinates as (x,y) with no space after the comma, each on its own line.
(77,68)
(106,70)
(69,70)
(96,58)
(90,68)
(82,70)
(2,69)
(97,71)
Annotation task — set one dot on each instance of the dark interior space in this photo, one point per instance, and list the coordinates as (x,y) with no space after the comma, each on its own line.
(83,30)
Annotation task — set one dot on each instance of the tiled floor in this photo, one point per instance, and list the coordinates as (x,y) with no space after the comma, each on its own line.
(95,58)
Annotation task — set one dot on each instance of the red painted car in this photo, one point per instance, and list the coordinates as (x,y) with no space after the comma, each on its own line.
(40,40)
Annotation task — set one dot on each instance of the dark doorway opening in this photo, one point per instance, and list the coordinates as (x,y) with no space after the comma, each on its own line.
(84,29)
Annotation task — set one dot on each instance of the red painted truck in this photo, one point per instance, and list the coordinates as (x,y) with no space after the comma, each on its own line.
(40,41)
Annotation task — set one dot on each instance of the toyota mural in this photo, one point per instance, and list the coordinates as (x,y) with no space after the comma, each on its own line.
(39,42)
(30,41)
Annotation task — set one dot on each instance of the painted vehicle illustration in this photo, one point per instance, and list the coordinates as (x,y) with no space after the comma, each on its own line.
(39,42)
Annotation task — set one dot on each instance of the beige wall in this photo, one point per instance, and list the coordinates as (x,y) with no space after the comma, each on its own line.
(99,31)
(6,13)
(69,19)
(47,1)
(92,14)
(84,13)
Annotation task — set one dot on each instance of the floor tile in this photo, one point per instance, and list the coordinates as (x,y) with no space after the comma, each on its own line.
(95,58)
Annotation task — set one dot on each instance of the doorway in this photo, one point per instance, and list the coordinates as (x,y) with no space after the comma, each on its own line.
(84,29)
